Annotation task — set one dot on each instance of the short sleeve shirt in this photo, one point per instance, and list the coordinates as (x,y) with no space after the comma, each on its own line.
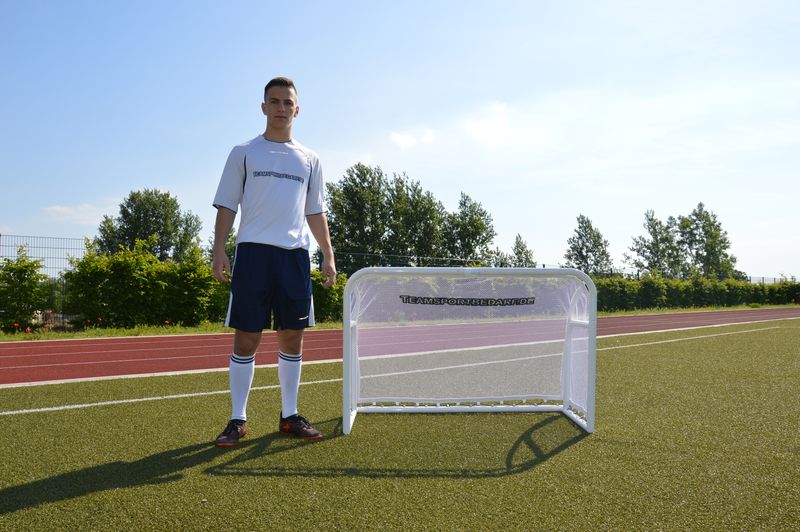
(277,184)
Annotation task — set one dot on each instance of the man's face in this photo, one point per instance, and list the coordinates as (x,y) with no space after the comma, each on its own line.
(281,107)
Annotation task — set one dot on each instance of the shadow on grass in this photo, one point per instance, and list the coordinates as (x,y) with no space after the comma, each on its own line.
(160,468)
(155,469)
(537,444)
(253,457)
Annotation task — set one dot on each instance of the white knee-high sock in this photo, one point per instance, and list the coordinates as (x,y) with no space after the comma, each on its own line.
(241,378)
(289,367)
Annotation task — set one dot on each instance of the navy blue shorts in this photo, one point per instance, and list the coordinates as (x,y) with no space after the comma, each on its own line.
(270,285)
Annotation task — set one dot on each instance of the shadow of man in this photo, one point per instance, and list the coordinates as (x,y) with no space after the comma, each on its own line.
(155,469)
(160,468)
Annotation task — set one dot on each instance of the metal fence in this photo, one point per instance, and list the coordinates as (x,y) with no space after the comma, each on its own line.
(54,252)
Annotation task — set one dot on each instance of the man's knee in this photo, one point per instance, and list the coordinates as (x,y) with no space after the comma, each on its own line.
(245,343)
(290,341)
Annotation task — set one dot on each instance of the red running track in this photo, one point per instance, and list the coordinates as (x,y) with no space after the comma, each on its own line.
(22,362)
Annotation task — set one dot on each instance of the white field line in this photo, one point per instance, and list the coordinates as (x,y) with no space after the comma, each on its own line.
(144,399)
(684,339)
(325,381)
(699,327)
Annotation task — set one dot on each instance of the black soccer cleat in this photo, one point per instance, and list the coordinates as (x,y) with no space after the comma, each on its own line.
(235,431)
(299,427)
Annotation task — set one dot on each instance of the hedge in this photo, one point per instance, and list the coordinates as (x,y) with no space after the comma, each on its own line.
(132,287)
(617,293)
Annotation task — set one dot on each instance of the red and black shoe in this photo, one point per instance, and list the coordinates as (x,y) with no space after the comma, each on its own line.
(235,431)
(299,427)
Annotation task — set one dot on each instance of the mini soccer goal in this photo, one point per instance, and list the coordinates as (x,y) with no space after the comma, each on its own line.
(437,340)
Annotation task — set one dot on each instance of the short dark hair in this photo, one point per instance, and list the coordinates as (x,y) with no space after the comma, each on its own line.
(279,82)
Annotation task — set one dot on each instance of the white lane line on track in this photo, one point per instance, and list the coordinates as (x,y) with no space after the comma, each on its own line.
(274,386)
(80,379)
(152,374)
(182,338)
(261,351)
(122,361)
(266,344)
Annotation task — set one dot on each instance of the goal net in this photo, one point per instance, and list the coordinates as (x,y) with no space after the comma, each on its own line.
(470,340)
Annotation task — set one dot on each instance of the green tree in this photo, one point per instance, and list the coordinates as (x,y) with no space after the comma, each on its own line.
(358,217)
(377,221)
(658,249)
(587,249)
(22,291)
(522,256)
(706,244)
(468,232)
(150,213)
(497,258)
(414,230)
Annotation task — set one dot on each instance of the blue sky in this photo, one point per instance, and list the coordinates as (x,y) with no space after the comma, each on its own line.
(539,110)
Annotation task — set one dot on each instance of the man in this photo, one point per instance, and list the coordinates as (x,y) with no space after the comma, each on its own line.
(278,183)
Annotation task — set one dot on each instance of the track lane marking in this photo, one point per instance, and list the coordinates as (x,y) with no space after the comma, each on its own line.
(325,381)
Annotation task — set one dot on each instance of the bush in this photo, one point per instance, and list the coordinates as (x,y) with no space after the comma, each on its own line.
(616,293)
(652,292)
(328,301)
(132,287)
(191,290)
(86,283)
(22,291)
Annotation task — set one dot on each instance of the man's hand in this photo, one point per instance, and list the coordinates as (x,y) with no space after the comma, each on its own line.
(221,266)
(328,273)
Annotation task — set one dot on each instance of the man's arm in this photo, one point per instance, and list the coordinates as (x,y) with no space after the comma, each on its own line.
(318,223)
(222,228)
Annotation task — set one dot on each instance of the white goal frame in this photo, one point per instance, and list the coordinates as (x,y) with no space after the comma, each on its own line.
(352,405)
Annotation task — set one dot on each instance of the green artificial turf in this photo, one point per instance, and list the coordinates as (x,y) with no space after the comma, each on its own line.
(699,433)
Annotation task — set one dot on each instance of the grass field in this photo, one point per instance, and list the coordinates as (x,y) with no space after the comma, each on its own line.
(696,430)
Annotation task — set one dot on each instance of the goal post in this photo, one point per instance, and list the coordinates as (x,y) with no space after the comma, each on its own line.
(438,340)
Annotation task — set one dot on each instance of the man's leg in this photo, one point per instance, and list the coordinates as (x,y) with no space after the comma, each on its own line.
(242,369)
(290,360)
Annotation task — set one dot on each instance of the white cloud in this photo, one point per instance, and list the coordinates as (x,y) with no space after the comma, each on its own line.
(84,214)
(411,139)
(404,140)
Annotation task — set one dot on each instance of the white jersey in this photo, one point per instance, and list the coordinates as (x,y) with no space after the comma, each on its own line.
(277,184)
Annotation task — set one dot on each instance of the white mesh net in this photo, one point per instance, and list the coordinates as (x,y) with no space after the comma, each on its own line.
(442,336)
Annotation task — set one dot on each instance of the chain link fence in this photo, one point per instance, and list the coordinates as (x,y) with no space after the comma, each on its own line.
(55,254)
